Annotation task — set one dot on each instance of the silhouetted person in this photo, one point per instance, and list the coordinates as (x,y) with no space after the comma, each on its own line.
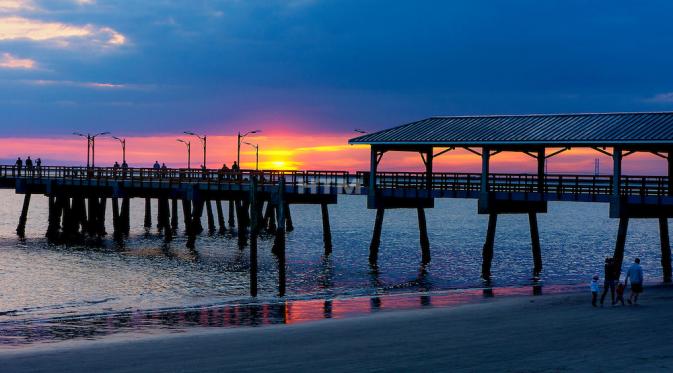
(29,166)
(164,169)
(115,169)
(125,167)
(236,170)
(19,166)
(38,163)
(635,274)
(156,166)
(611,278)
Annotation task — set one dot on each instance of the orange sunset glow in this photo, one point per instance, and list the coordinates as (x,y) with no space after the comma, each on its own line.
(302,152)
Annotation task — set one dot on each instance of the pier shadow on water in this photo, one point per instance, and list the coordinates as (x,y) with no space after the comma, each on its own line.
(25,333)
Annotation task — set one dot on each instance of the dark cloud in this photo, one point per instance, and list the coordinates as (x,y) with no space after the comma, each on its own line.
(334,65)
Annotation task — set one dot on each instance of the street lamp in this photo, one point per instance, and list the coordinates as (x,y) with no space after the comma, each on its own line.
(256,146)
(123,142)
(360,131)
(203,141)
(93,147)
(238,149)
(88,145)
(189,152)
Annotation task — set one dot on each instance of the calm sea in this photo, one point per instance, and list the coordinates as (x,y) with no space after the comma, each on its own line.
(39,281)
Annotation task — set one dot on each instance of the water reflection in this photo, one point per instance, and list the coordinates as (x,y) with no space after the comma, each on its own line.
(27,332)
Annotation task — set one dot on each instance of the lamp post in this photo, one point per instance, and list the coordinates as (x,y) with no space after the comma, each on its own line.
(256,146)
(123,142)
(93,147)
(88,145)
(238,149)
(189,152)
(203,141)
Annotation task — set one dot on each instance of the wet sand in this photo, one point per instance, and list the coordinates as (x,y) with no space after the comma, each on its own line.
(518,334)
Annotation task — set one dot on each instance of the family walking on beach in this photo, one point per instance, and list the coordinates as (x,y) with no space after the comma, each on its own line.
(612,283)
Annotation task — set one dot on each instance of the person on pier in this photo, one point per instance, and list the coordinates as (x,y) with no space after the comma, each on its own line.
(29,166)
(19,166)
(38,163)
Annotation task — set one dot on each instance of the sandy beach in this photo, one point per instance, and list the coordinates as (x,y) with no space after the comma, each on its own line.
(517,334)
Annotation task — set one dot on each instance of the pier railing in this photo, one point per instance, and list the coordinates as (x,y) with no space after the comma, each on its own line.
(443,181)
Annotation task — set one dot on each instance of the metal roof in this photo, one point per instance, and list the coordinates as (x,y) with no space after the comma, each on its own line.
(586,129)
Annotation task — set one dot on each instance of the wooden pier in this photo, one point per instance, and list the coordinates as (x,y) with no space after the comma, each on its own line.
(263,200)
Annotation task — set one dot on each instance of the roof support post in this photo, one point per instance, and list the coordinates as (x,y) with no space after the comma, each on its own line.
(670,173)
(373,166)
(428,169)
(541,159)
(616,171)
(485,158)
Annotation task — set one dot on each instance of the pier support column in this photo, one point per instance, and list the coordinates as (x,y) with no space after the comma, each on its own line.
(376,237)
(166,219)
(665,249)
(279,242)
(195,223)
(21,228)
(187,213)
(621,242)
(126,215)
(54,218)
(211,218)
(326,229)
(269,218)
(174,215)
(289,226)
(220,216)
(116,219)
(148,213)
(100,217)
(535,244)
(231,222)
(254,221)
(487,253)
(423,236)
(92,216)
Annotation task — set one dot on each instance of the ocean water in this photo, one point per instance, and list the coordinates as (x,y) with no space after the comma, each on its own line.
(40,281)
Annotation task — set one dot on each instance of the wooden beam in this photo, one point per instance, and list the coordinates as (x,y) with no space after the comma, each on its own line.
(602,151)
(472,150)
(443,151)
(557,152)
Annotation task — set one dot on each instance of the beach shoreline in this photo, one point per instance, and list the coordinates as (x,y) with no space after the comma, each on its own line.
(518,333)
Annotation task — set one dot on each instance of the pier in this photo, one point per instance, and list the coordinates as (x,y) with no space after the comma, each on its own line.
(263,200)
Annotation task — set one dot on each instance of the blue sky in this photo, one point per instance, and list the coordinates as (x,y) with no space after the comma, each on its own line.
(319,66)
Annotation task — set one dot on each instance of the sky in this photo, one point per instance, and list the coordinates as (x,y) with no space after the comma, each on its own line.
(308,72)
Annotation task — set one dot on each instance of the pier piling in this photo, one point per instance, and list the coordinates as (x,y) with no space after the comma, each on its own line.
(126,216)
(665,249)
(279,242)
(254,221)
(220,216)
(376,236)
(211,219)
(231,221)
(100,217)
(289,226)
(487,253)
(326,229)
(174,214)
(21,228)
(187,213)
(116,219)
(621,242)
(148,213)
(535,244)
(423,232)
